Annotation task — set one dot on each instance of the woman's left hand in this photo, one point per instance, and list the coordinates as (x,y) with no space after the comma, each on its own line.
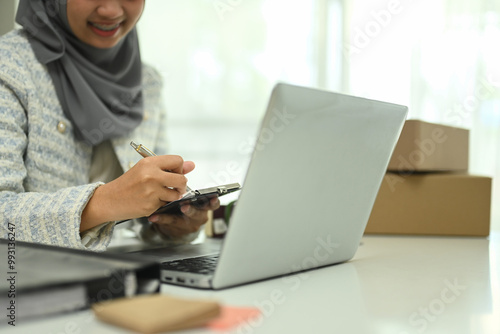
(192,218)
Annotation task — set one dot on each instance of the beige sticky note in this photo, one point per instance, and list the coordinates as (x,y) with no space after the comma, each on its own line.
(156,313)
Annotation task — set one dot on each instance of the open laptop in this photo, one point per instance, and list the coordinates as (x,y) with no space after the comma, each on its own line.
(317,165)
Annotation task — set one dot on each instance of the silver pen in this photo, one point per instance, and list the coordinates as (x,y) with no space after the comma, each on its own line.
(146,152)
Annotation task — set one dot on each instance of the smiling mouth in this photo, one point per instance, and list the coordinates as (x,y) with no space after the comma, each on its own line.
(105,27)
(105,30)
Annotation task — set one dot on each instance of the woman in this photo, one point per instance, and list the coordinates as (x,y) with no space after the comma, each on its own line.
(73,95)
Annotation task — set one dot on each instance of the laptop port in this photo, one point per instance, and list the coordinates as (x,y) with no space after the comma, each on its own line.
(181,280)
(167,278)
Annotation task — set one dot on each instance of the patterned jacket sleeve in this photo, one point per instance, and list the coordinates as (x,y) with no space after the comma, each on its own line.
(41,217)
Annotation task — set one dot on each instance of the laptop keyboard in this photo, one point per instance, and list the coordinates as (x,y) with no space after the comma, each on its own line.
(198,265)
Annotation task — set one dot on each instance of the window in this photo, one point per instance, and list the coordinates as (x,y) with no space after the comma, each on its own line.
(220,60)
(441,59)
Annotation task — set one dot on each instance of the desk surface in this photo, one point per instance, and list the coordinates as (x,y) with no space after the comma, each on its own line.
(396,285)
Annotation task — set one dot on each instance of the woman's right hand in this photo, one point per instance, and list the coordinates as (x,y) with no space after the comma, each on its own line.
(151,183)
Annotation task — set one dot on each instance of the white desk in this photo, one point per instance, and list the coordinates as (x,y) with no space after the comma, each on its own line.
(393,285)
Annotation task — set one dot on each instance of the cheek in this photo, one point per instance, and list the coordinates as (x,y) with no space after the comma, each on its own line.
(79,29)
(135,10)
(76,19)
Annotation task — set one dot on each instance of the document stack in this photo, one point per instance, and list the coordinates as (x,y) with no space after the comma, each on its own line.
(46,280)
(428,190)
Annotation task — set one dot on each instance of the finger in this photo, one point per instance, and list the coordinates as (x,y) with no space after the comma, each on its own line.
(195,215)
(169,194)
(154,218)
(187,210)
(173,180)
(163,219)
(188,167)
(171,163)
(174,231)
(214,203)
(174,225)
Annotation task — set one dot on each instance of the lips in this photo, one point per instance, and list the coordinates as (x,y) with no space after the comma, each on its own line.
(104,30)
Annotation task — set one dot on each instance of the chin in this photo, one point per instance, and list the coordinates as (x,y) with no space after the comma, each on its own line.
(103,44)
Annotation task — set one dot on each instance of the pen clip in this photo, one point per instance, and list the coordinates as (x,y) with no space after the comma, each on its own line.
(142,150)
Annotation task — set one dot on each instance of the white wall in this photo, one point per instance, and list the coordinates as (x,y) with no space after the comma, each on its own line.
(7,10)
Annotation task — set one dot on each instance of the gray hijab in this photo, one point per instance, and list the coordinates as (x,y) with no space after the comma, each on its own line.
(99,90)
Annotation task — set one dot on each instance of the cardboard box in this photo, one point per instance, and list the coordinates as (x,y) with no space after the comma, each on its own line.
(432,204)
(426,146)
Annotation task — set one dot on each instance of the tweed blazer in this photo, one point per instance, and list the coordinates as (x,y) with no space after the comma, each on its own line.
(44,170)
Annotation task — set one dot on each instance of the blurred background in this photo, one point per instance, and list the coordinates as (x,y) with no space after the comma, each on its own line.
(220,59)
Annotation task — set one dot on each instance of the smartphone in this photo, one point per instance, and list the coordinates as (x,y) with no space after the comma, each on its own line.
(198,198)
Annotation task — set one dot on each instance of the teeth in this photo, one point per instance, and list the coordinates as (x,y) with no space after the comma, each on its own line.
(105,27)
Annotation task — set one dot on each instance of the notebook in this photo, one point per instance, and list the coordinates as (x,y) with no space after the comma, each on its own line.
(315,171)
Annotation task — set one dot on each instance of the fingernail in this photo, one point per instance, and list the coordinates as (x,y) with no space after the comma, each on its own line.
(185,209)
(154,219)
